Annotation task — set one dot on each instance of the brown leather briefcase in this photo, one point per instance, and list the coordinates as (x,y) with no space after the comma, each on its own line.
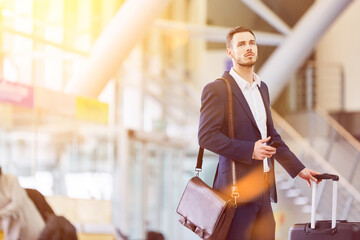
(204,210)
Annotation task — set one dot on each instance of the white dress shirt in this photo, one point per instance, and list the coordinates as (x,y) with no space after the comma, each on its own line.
(256,104)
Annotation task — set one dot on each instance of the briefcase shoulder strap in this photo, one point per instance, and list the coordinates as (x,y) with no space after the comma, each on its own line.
(230,123)
(230,108)
(198,168)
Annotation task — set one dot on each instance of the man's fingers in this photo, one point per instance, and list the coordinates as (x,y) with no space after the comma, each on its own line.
(308,175)
(267,152)
(313,173)
(262,151)
(270,150)
(265,140)
(313,179)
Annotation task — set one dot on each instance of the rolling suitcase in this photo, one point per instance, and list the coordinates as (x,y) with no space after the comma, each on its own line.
(325,230)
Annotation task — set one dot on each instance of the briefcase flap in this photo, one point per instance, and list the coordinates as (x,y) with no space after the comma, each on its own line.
(201,207)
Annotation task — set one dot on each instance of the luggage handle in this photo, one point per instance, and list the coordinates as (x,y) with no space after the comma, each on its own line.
(335,179)
(327,176)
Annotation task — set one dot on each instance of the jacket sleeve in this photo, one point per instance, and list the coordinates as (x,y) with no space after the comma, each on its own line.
(212,132)
(287,158)
(284,155)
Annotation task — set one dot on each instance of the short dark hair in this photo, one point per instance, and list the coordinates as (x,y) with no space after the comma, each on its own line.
(234,30)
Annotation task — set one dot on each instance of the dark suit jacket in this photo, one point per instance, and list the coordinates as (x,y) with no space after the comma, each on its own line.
(213,131)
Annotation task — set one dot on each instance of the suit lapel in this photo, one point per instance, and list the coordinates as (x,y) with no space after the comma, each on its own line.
(264,97)
(236,91)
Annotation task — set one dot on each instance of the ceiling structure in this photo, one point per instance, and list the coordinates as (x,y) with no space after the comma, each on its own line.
(235,13)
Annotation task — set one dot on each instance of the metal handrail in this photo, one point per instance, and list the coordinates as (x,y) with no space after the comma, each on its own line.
(311,91)
(338,128)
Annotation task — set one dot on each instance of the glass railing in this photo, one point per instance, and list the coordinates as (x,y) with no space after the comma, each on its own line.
(324,147)
(331,141)
(320,146)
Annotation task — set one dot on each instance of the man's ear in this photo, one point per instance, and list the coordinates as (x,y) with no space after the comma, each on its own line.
(229,52)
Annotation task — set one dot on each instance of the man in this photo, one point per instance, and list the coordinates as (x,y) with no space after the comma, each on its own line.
(249,149)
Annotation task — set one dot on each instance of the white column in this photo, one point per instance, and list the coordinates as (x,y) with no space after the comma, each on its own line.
(197,47)
(299,44)
(125,30)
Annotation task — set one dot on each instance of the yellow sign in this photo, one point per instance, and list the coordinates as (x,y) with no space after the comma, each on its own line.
(92,110)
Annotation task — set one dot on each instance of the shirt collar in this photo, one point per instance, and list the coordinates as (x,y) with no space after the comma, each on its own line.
(242,82)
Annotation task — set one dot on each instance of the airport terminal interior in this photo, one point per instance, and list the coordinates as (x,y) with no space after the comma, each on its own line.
(100,104)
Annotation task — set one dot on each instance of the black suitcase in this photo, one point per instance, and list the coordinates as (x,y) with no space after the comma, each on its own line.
(325,230)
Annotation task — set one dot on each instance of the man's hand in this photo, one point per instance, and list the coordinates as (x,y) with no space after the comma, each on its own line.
(261,150)
(308,174)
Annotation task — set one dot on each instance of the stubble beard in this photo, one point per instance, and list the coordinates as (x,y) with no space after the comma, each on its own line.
(247,63)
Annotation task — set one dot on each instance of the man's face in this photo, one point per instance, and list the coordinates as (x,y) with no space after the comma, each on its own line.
(243,49)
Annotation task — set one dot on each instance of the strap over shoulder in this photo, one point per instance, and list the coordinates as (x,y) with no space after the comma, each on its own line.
(198,169)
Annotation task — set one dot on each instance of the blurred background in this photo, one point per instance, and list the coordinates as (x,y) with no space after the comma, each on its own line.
(99,103)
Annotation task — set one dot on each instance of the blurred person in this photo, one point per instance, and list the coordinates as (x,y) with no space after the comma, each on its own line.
(56,227)
(19,216)
(249,149)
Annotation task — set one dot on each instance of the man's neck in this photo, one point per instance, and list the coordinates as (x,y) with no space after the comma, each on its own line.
(245,73)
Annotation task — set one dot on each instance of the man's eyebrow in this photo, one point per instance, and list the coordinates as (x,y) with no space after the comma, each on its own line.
(241,42)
